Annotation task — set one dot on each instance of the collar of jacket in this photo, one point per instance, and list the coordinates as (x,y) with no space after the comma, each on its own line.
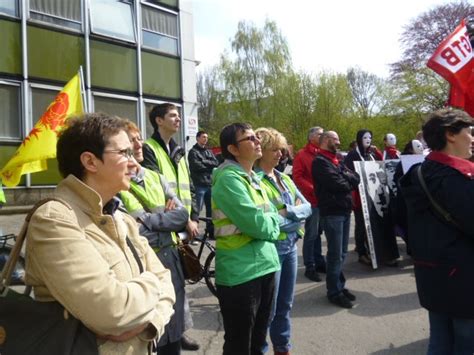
(200,147)
(329,155)
(464,166)
(76,192)
(253,179)
(157,137)
(311,148)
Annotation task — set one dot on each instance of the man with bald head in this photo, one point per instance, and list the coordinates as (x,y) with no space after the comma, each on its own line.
(333,185)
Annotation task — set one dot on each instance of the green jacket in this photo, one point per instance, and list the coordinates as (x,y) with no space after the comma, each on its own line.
(2,196)
(246,226)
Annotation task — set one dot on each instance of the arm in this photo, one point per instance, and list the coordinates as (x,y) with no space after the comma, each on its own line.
(301,176)
(56,242)
(232,198)
(301,211)
(199,164)
(331,178)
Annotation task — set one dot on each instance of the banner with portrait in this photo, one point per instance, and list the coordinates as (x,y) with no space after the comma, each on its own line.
(377,188)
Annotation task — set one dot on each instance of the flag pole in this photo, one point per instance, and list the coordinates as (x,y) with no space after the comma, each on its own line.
(85,105)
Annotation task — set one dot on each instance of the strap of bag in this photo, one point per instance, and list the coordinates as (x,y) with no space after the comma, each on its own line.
(9,267)
(135,254)
(440,210)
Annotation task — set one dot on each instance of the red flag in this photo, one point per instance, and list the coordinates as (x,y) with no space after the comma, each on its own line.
(453,60)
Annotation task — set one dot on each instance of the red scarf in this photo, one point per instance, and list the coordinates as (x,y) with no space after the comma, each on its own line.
(392,152)
(330,155)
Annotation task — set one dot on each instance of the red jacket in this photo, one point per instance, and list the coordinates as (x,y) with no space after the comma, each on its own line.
(302,175)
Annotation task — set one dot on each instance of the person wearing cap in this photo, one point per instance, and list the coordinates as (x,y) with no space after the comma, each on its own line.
(442,249)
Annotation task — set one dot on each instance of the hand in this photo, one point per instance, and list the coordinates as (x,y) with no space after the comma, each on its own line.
(126,335)
(283,212)
(192,229)
(170,205)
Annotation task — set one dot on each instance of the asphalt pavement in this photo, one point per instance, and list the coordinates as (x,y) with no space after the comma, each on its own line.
(387,318)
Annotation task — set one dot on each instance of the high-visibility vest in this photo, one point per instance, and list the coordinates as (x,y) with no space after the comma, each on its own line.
(178,180)
(228,236)
(151,198)
(3,200)
(275,197)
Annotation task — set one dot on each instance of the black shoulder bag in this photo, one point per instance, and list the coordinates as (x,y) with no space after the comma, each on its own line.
(38,328)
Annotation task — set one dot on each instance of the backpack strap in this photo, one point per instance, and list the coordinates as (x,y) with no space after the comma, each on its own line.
(9,267)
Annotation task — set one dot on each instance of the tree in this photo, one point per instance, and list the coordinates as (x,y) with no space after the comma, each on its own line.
(261,57)
(418,88)
(366,91)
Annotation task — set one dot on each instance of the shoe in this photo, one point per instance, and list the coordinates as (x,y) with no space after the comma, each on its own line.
(321,269)
(364,259)
(392,263)
(341,301)
(188,344)
(349,295)
(312,275)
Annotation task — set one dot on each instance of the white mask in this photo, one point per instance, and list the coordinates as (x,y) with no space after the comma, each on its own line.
(417,146)
(366,140)
(391,140)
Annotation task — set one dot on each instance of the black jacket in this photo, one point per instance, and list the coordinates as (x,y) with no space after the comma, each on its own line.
(333,186)
(201,163)
(442,253)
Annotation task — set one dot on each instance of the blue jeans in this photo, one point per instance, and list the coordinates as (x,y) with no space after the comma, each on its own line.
(336,229)
(285,279)
(312,256)
(203,196)
(450,335)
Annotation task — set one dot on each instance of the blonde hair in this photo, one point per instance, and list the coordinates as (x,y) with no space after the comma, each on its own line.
(270,138)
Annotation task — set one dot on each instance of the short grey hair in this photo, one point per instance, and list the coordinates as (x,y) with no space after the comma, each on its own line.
(312,131)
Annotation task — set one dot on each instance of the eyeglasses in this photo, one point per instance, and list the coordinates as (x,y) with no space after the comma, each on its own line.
(126,153)
(249,138)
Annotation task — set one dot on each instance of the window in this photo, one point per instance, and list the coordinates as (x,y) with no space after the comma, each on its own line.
(113,18)
(124,108)
(57,12)
(160,30)
(9,7)
(10,111)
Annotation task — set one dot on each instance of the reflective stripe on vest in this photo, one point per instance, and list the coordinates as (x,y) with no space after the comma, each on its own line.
(178,181)
(228,235)
(152,197)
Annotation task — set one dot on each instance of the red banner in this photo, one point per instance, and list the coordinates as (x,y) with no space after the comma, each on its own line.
(453,60)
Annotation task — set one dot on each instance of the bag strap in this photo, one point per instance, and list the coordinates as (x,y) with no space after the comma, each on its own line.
(440,210)
(135,254)
(9,267)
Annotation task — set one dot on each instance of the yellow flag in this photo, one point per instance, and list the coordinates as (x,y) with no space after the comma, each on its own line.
(40,144)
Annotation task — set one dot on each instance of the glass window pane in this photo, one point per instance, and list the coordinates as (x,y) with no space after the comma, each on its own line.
(9,7)
(162,43)
(58,12)
(159,21)
(10,114)
(118,107)
(112,18)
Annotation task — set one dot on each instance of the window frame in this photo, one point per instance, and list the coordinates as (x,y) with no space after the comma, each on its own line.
(177,38)
(55,25)
(97,34)
(18,85)
(17,8)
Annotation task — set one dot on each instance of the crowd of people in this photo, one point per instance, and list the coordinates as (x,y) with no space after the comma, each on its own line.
(108,251)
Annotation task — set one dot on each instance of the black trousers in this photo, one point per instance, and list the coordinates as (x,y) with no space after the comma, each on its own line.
(246,312)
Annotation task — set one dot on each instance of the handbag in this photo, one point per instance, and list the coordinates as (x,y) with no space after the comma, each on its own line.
(190,264)
(32,327)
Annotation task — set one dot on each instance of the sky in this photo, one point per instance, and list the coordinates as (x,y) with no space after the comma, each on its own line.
(322,35)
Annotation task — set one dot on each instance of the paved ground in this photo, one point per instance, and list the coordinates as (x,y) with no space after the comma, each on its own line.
(386,320)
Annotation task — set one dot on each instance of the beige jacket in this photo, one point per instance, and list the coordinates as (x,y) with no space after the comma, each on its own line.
(79,257)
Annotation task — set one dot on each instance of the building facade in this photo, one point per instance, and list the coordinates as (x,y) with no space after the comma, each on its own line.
(134,54)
